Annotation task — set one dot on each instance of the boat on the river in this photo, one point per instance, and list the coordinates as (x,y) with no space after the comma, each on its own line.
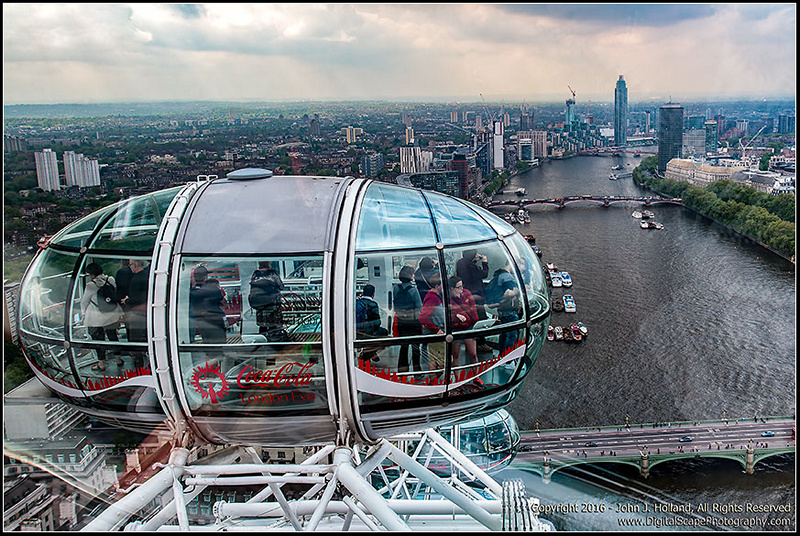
(555,280)
(559,333)
(636,214)
(569,303)
(537,250)
(618,166)
(530,238)
(551,335)
(568,334)
(566,280)
(644,225)
(646,214)
(576,333)
(583,328)
(520,191)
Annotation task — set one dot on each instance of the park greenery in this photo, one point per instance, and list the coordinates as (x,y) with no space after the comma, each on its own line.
(768,219)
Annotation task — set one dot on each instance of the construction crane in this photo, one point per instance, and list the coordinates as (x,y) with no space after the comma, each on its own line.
(744,147)
(486,109)
(572,91)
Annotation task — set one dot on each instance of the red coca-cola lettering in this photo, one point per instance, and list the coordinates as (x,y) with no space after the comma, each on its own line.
(289,375)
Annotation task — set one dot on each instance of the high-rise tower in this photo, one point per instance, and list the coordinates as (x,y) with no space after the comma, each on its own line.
(621,113)
(497,145)
(47,170)
(670,134)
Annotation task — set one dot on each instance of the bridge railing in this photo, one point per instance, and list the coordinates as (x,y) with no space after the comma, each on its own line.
(669,424)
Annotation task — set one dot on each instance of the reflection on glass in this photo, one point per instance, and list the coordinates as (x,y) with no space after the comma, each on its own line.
(44,295)
(135,223)
(532,274)
(77,234)
(250,300)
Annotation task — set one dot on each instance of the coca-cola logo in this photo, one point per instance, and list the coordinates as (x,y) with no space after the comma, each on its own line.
(209,381)
(289,375)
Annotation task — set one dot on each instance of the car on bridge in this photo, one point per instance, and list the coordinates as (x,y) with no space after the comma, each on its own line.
(686,439)
(526,448)
(768,433)
(591,444)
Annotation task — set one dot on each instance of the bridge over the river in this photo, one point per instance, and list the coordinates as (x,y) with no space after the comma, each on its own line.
(602,200)
(746,441)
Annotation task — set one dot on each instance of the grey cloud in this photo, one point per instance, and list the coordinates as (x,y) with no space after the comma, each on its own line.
(633,14)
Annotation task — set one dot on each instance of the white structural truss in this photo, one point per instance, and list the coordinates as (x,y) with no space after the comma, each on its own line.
(336,489)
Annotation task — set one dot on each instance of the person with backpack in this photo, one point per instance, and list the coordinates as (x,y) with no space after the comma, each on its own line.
(407,306)
(368,314)
(101,311)
(368,320)
(265,297)
(503,294)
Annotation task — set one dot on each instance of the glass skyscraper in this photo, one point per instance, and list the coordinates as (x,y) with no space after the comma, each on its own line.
(620,113)
(670,134)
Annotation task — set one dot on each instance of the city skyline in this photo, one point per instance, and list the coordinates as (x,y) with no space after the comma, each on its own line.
(83,53)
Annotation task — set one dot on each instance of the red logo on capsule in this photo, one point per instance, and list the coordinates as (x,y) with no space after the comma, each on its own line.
(209,381)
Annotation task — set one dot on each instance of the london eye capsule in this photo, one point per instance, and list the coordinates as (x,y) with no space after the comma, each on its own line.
(285,310)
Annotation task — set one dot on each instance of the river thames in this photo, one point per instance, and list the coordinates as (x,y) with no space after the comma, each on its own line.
(691,322)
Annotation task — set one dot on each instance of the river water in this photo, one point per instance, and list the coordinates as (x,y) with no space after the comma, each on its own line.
(685,323)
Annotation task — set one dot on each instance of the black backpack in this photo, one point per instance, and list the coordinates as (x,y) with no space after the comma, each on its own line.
(107,297)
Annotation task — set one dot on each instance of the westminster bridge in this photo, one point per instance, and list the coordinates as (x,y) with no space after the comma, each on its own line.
(746,441)
(602,200)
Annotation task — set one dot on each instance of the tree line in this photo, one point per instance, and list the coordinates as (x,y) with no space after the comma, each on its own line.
(764,217)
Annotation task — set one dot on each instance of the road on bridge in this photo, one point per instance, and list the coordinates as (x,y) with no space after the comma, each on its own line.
(627,441)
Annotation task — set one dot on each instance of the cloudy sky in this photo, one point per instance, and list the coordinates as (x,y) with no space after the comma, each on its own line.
(81,53)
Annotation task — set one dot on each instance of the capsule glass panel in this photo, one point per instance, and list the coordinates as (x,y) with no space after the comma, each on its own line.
(393,217)
(455,222)
(250,335)
(44,293)
(135,223)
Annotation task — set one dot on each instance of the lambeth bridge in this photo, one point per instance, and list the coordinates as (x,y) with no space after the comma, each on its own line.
(746,441)
(602,200)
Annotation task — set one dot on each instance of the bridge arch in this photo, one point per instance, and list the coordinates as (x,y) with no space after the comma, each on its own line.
(747,458)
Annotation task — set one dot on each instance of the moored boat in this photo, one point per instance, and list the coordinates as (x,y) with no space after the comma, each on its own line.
(568,335)
(530,238)
(551,335)
(636,214)
(537,250)
(646,214)
(644,225)
(584,330)
(576,333)
(555,280)
(559,333)
(520,191)
(566,280)
(569,303)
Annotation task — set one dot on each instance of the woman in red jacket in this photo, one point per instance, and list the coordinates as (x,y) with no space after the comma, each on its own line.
(463,315)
